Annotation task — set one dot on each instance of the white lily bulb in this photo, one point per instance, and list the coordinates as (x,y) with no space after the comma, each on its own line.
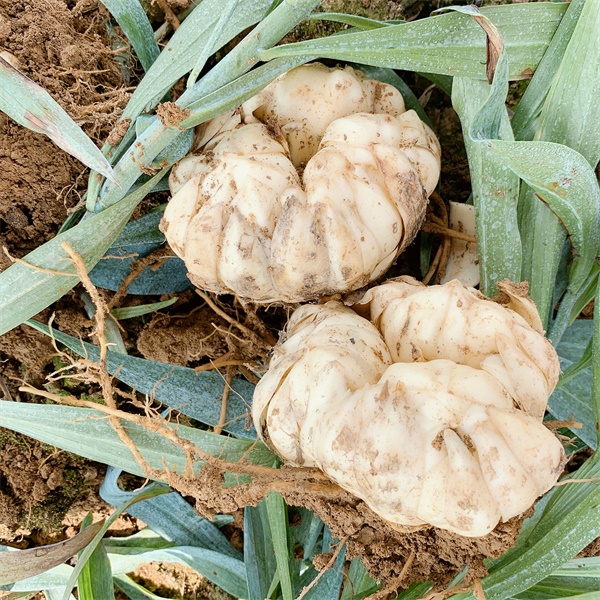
(452,321)
(250,218)
(424,439)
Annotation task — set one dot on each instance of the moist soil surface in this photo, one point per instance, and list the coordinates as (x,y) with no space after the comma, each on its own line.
(66,47)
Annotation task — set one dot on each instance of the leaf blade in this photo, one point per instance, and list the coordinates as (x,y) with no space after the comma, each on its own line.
(25,291)
(197,395)
(31,106)
(23,564)
(446,44)
(134,22)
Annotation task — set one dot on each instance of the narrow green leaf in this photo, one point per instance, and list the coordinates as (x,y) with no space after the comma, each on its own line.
(524,120)
(132,19)
(134,590)
(446,44)
(307,534)
(187,43)
(553,588)
(226,572)
(130,312)
(596,364)
(87,552)
(95,579)
(53,580)
(580,567)
(212,42)
(259,555)
(359,583)
(279,527)
(573,396)
(329,585)
(569,116)
(86,432)
(351,20)
(415,591)
(25,290)
(495,188)
(170,516)
(564,180)
(197,395)
(145,538)
(577,368)
(22,564)
(588,293)
(28,104)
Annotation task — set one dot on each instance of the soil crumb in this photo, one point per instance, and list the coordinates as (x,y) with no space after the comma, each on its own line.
(170,114)
(182,340)
(39,484)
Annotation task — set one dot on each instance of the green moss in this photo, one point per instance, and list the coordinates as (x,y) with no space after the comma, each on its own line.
(48,515)
(10,438)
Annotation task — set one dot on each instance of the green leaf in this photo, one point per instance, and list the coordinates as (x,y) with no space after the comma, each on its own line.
(18,565)
(571,114)
(553,588)
(307,533)
(329,585)
(31,106)
(89,550)
(565,181)
(134,590)
(170,516)
(524,120)
(95,579)
(279,527)
(446,44)
(197,395)
(351,20)
(569,117)
(130,312)
(580,567)
(25,290)
(86,432)
(53,580)
(573,396)
(359,583)
(187,43)
(495,188)
(259,554)
(136,240)
(212,42)
(225,571)
(596,363)
(132,19)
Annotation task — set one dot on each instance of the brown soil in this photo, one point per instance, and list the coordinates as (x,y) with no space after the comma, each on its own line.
(182,339)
